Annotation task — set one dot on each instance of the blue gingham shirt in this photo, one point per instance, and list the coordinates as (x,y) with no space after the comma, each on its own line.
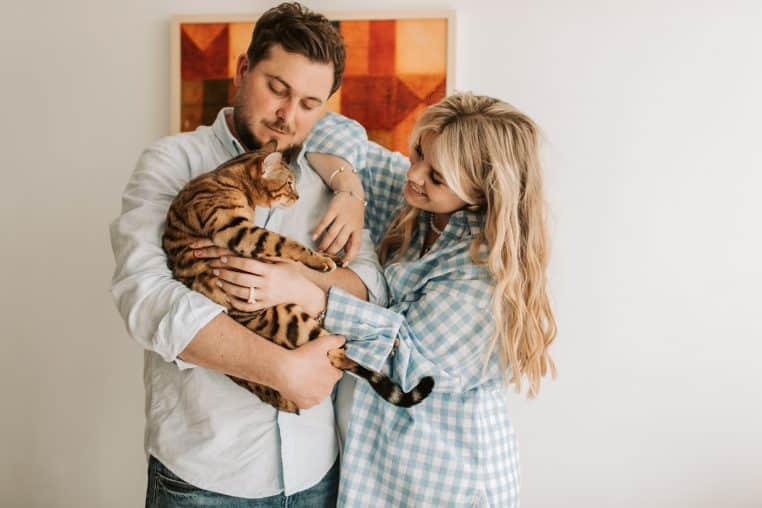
(457,447)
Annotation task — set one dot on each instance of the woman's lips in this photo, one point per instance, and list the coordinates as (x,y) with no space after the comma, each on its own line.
(415,189)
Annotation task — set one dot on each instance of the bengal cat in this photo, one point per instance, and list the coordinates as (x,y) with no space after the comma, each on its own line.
(219,205)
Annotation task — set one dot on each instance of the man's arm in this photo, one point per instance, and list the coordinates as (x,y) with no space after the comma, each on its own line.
(173,321)
(304,375)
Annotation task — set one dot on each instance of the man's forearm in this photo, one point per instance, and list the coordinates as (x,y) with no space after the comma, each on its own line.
(226,346)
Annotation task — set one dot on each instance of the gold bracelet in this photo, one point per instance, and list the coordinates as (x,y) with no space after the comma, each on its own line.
(351,193)
(330,178)
(336,172)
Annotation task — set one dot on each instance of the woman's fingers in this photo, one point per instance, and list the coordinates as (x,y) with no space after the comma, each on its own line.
(200,244)
(330,235)
(243,279)
(328,218)
(235,290)
(244,306)
(242,264)
(211,252)
(239,297)
(352,248)
(339,242)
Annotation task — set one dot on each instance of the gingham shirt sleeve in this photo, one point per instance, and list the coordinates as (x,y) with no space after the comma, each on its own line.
(383,179)
(338,135)
(442,333)
(382,171)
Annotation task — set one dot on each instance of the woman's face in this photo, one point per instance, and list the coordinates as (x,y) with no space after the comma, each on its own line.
(425,187)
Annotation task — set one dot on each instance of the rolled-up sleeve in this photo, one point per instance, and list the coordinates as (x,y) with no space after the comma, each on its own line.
(382,171)
(367,267)
(340,136)
(160,313)
(443,333)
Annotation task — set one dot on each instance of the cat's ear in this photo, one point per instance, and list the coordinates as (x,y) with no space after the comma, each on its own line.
(271,162)
(270,146)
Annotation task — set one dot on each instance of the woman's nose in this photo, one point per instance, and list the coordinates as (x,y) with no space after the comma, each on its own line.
(415,174)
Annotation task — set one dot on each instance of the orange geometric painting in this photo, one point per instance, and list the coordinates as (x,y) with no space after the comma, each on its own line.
(394,69)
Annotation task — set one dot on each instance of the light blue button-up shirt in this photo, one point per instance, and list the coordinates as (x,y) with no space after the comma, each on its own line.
(201,425)
(457,448)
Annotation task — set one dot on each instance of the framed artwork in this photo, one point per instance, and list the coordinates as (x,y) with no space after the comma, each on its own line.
(397,64)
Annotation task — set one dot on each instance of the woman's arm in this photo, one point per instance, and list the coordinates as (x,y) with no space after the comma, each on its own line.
(382,172)
(443,332)
(335,148)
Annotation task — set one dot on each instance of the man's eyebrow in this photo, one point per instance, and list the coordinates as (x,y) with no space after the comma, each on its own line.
(284,83)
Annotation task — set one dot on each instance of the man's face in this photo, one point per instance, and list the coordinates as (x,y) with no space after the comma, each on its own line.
(281,98)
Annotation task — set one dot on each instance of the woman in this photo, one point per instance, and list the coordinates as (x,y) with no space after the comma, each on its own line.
(465,255)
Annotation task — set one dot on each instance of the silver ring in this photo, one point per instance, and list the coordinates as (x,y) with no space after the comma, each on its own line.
(251,296)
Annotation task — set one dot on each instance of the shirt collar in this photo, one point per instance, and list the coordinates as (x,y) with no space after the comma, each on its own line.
(463,223)
(222,131)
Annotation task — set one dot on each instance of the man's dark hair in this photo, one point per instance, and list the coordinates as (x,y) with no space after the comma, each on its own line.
(301,31)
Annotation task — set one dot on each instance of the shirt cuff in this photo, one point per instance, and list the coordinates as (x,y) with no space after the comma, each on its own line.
(179,326)
(373,279)
(370,330)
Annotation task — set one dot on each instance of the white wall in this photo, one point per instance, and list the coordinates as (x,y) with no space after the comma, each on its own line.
(651,112)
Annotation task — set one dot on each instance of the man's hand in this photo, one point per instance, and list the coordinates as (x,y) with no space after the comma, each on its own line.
(307,377)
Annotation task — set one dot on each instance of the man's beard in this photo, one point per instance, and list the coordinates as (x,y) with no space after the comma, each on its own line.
(252,143)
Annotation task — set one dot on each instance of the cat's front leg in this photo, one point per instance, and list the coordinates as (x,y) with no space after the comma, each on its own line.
(315,260)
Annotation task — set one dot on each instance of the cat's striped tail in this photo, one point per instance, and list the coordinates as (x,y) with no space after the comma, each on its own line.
(392,392)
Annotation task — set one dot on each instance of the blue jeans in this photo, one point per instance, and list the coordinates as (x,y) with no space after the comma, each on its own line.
(165,490)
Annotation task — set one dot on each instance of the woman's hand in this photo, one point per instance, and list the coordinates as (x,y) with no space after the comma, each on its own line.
(254,285)
(341,226)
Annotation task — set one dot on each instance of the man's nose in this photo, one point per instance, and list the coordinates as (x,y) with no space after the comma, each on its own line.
(287,112)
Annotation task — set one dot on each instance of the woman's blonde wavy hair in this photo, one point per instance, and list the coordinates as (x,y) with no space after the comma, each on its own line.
(487,153)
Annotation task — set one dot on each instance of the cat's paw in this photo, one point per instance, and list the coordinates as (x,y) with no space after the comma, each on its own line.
(338,260)
(322,263)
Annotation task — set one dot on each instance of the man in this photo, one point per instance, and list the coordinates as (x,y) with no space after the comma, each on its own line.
(210,441)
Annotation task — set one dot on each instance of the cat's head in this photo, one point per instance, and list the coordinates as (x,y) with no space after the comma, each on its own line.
(277,182)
